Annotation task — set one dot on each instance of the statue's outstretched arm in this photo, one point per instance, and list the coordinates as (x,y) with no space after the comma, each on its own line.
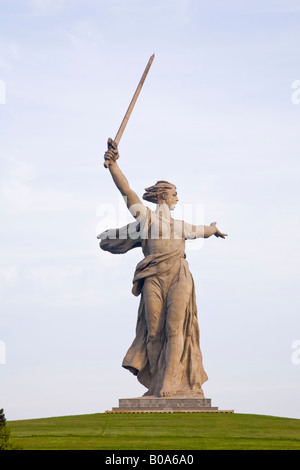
(202,231)
(212,229)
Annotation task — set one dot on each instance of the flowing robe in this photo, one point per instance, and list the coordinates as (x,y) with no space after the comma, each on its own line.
(167,303)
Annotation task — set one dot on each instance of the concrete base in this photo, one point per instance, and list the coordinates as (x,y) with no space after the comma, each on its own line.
(166,405)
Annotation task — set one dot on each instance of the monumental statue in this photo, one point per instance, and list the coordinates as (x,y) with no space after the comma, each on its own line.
(165,354)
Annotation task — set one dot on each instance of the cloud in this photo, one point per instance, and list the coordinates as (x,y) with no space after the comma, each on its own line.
(9,274)
(286,5)
(23,198)
(21,191)
(55,280)
(4,65)
(9,277)
(46,7)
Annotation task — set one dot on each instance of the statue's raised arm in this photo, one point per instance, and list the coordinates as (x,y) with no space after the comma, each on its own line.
(133,202)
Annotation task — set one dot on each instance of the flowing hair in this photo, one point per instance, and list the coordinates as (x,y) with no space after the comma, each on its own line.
(157,191)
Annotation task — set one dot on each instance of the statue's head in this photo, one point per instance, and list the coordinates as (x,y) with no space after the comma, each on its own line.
(162,192)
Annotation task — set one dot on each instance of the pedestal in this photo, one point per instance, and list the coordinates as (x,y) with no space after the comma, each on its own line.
(166,405)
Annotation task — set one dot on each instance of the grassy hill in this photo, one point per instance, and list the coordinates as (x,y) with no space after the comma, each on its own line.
(175,431)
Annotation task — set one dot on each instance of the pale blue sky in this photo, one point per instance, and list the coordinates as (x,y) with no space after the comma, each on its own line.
(215,117)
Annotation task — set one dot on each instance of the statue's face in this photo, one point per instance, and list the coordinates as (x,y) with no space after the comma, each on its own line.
(170,198)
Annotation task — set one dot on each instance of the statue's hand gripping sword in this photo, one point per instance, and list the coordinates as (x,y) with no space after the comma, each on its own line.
(115,143)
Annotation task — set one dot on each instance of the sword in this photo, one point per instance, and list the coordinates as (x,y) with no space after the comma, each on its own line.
(130,108)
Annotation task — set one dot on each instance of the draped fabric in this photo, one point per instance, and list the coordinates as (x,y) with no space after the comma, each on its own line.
(166,278)
(190,374)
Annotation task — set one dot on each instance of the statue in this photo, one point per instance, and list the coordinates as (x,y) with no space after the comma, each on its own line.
(165,354)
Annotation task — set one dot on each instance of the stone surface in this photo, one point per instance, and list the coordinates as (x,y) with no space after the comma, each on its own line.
(165,354)
(166,405)
(154,403)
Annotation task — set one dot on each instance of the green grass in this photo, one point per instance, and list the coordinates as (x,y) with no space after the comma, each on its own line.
(175,431)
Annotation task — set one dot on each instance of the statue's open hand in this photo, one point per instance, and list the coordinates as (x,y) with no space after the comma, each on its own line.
(112,153)
(217,232)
